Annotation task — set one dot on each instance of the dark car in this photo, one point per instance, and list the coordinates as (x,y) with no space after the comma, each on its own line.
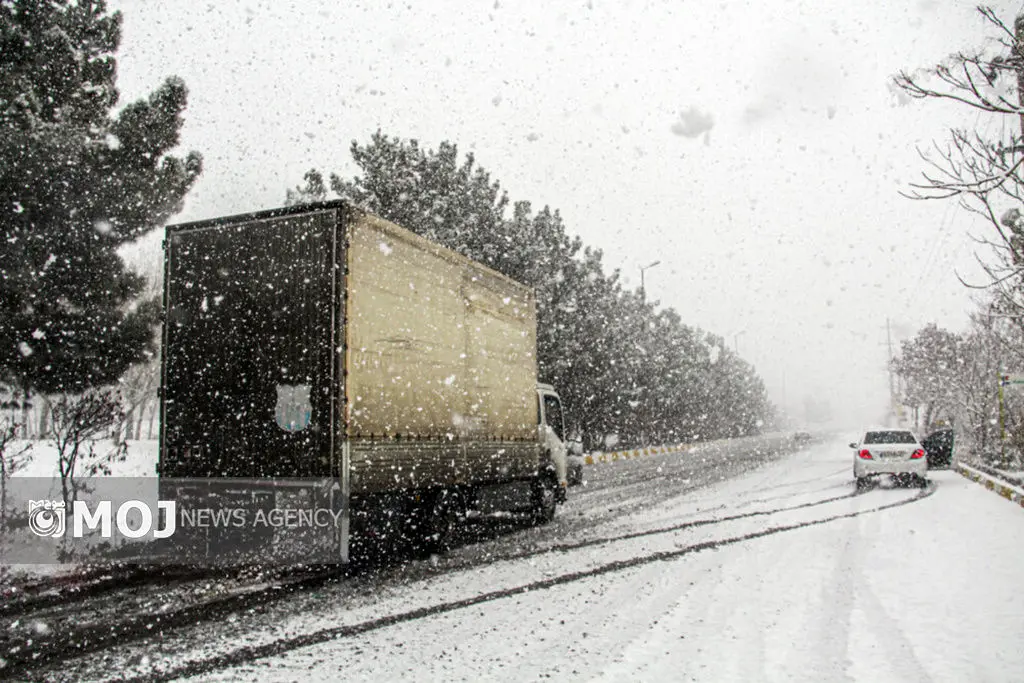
(938,448)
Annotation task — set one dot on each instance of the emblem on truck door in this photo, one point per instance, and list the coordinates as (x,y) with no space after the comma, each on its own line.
(293,408)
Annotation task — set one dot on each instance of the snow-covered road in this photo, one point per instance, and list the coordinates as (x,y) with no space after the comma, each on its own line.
(780,573)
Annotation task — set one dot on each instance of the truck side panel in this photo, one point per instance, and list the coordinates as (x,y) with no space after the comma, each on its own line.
(439,346)
(441,365)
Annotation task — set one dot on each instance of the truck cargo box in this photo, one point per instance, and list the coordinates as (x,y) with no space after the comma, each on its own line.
(322,341)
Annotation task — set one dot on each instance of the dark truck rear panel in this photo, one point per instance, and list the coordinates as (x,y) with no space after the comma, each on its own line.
(250,369)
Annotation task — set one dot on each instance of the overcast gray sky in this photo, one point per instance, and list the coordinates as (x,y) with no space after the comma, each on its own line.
(755,148)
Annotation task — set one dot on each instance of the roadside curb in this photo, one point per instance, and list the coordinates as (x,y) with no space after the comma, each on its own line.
(592,458)
(1007,491)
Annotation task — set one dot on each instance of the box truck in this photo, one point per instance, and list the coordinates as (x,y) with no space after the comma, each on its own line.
(324,349)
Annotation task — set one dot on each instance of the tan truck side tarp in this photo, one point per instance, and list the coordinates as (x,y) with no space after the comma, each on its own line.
(438,346)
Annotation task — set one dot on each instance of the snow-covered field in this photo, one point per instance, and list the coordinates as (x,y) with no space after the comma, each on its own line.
(140,461)
(778,574)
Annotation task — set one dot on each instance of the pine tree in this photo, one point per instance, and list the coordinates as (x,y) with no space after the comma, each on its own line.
(619,366)
(76,183)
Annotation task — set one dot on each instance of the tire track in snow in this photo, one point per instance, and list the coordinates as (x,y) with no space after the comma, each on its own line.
(629,488)
(892,642)
(568,547)
(837,598)
(62,645)
(69,591)
(282,646)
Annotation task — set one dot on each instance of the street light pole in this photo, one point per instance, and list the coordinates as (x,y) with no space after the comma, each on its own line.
(736,342)
(643,295)
(644,398)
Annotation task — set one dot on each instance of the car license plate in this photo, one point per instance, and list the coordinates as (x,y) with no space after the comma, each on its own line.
(890,455)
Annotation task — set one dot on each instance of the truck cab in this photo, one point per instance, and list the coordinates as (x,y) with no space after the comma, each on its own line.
(552,435)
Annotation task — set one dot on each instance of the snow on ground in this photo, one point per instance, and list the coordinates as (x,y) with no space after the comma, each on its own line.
(140,462)
(922,591)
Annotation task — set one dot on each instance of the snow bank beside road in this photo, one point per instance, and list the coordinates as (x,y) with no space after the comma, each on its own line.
(1008,491)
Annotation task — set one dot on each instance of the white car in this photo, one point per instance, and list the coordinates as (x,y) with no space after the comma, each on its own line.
(896,452)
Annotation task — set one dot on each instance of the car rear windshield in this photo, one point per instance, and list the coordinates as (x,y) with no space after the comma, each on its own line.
(889,437)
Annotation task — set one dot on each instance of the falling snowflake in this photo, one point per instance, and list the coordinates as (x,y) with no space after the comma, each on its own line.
(693,123)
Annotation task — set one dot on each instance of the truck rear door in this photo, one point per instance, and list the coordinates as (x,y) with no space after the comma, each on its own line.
(250,371)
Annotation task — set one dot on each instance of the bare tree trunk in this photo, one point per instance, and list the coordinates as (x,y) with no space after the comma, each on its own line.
(124,430)
(25,407)
(141,416)
(44,417)
(3,484)
(152,418)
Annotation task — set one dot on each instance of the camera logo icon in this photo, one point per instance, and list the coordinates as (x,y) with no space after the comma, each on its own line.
(46,517)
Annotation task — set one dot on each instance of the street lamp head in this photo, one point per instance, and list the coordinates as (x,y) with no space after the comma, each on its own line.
(736,341)
(650,265)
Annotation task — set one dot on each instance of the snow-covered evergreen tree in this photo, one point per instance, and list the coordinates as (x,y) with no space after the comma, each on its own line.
(621,367)
(77,181)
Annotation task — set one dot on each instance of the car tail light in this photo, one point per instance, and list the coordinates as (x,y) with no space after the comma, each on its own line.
(919,453)
(865,454)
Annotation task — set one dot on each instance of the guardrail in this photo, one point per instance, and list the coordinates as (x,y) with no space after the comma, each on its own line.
(593,458)
(1012,493)
(629,454)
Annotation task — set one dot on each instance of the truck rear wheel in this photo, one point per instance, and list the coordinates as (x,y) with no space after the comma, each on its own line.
(545,498)
(445,516)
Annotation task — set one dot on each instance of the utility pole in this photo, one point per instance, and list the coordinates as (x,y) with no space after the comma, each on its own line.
(1002,419)
(892,376)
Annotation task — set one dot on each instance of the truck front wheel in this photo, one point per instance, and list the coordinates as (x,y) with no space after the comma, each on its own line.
(545,498)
